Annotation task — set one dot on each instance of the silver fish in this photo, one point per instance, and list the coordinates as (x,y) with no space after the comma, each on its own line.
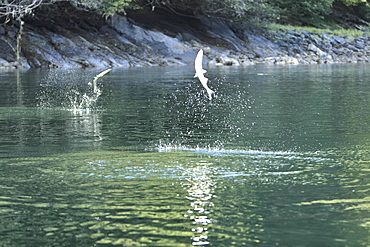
(199,72)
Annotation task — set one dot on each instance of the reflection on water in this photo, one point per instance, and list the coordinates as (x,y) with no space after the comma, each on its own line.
(182,198)
(279,157)
(26,130)
(200,189)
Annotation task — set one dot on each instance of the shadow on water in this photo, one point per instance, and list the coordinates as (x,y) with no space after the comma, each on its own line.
(278,157)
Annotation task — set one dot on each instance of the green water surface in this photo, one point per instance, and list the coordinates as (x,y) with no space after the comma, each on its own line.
(280,157)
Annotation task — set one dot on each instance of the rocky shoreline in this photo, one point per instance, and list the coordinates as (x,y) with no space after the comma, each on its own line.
(80,39)
(319,48)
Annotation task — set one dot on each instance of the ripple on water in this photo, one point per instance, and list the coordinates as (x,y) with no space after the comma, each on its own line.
(175,198)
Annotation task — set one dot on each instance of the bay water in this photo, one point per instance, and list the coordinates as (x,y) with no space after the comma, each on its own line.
(279,157)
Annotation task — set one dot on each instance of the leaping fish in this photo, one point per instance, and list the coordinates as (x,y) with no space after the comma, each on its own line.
(199,72)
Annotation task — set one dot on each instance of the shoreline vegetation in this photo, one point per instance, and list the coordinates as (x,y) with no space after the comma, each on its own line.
(128,33)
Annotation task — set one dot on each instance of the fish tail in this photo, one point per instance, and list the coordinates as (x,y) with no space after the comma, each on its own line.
(210,92)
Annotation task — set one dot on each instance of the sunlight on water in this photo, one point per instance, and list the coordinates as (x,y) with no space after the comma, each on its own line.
(221,151)
(127,197)
(200,187)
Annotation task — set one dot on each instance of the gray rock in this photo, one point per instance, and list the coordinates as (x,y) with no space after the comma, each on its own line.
(313,48)
(327,47)
(325,37)
(292,60)
(228,61)
(262,46)
(295,49)
(154,41)
(306,33)
(4,63)
(339,40)
(338,51)
(123,42)
(40,53)
(246,62)
(353,48)
(359,45)
(2,30)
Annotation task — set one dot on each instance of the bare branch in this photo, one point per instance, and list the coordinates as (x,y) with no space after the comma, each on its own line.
(16,9)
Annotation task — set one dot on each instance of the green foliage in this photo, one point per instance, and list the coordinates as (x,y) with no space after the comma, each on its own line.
(306,11)
(240,10)
(109,7)
(353,2)
(361,7)
(337,31)
(105,7)
(235,10)
(363,10)
(303,12)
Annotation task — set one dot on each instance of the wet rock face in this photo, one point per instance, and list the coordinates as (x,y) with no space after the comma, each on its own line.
(92,41)
(74,39)
(324,48)
(169,50)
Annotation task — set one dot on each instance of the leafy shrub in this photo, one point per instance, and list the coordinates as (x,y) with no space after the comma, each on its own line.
(306,11)
(361,7)
(240,10)
(235,10)
(353,2)
(105,7)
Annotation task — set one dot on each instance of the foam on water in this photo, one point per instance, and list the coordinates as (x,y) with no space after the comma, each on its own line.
(220,151)
(215,151)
